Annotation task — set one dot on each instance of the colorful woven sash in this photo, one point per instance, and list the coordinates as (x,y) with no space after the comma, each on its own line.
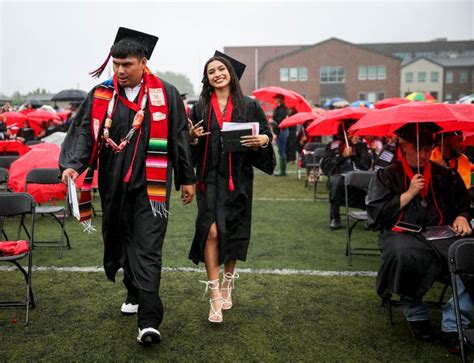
(157,151)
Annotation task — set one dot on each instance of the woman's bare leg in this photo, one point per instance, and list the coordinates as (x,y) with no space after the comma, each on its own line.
(211,261)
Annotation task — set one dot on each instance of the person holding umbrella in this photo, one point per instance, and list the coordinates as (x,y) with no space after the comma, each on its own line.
(422,193)
(225,179)
(279,114)
(343,154)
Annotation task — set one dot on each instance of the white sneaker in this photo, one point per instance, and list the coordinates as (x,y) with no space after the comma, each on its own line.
(148,336)
(129,308)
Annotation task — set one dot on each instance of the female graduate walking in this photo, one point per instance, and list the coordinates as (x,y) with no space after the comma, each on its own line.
(224,195)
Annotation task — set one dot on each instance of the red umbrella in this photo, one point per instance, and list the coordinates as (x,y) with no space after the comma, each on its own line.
(11,118)
(298,119)
(42,155)
(328,123)
(13,146)
(36,119)
(386,121)
(292,98)
(64,114)
(390,102)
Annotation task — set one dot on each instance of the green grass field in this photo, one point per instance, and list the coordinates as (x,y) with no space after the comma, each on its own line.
(275,318)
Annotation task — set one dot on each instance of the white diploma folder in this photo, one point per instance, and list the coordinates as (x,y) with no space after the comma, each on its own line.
(72,194)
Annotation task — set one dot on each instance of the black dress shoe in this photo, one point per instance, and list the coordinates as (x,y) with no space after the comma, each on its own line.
(422,330)
(451,340)
(335,223)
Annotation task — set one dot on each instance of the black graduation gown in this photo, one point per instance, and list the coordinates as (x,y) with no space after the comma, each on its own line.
(132,236)
(409,265)
(230,210)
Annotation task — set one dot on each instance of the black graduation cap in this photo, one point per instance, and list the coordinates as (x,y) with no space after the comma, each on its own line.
(426,131)
(239,67)
(147,40)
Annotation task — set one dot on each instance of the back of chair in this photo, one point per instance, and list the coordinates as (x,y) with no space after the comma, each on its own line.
(359,178)
(3,175)
(33,142)
(461,256)
(43,176)
(311,146)
(319,152)
(13,204)
(7,160)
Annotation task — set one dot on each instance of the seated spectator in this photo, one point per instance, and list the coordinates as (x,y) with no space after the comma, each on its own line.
(51,128)
(3,130)
(338,159)
(26,133)
(434,195)
(6,107)
(447,152)
(388,155)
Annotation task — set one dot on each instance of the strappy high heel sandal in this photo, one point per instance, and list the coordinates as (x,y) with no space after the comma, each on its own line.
(215,314)
(228,281)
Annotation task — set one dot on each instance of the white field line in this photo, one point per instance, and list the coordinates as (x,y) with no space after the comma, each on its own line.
(282,272)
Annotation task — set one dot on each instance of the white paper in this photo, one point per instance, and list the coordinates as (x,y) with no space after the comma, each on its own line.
(71,189)
(231,126)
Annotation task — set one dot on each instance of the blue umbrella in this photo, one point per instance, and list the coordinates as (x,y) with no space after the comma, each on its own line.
(331,102)
(360,103)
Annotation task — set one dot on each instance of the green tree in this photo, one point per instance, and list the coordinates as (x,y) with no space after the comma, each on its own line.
(17,98)
(179,80)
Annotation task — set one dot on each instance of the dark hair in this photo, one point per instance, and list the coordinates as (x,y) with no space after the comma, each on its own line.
(128,47)
(235,89)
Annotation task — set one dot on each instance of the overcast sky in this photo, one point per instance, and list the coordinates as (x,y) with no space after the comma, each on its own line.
(54,44)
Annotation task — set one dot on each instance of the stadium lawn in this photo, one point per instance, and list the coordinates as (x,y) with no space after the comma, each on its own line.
(276,318)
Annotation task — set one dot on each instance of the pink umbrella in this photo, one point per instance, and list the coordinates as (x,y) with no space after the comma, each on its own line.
(42,155)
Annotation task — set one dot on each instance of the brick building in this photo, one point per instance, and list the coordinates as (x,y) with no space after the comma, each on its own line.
(358,71)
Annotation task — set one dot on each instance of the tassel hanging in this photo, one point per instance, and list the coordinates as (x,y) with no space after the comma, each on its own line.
(100,70)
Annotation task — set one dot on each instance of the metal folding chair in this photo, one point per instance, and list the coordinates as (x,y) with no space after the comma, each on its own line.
(18,205)
(461,263)
(357,179)
(50,176)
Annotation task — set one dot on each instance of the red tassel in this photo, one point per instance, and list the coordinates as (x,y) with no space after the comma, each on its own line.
(202,187)
(231,184)
(129,175)
(98,71)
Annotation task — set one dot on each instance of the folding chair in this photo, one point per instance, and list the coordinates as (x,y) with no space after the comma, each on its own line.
(50,176)
(3,179)
(7,160)
(14,205)
(461,262)
(359,180)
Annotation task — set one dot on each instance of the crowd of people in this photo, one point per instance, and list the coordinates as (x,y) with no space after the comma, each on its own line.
(136,130)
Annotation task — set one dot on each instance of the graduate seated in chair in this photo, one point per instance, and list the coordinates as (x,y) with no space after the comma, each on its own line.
(339,159)
(417,191)
(448,152)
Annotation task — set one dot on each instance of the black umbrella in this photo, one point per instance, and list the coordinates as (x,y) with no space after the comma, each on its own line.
(70,95)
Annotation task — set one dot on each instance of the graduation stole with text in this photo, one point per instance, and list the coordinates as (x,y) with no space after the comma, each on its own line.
(157,152)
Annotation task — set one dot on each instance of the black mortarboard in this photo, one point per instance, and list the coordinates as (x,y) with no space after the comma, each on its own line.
(148,41)
(426,131)
(239,67)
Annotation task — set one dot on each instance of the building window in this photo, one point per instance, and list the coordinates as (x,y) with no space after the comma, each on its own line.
(463,77)
(371,97)
(449,78)
(332,75)
(421,77)
(381,72)
(434,94)
(380,96)
(362,96)
(283,74)
(372,72)
(293,74)
(424,54)
(434,76)
(409,77)
(362,73)
(303,74)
